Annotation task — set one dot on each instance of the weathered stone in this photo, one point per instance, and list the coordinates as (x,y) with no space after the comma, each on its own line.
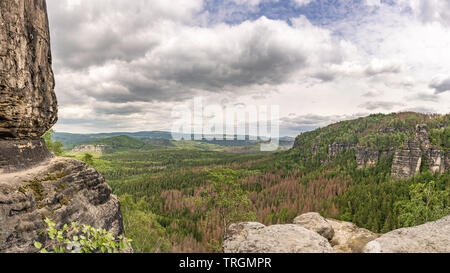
(315,222)
(432,237)
(366,158)
(407,161)
(65,190)
(337,148)
(348,238)
(21,154)
(436,160)
(257,238)
(28,105)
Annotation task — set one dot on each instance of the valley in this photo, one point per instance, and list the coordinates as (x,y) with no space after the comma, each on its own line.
(163,185)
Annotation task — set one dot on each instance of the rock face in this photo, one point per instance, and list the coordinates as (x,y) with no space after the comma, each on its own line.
(313,221)
(258,238)
(27,101)
(432,237)
(407,161)
(21,154)
(33,183)
(90,148)
(336,148)
(64,190)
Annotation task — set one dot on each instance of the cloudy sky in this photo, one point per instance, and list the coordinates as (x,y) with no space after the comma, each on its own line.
(123,65)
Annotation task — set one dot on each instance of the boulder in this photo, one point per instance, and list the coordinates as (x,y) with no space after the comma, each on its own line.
(314,222)
(28,106)
(348,238)
(64,190)
(432,237)
(258,238)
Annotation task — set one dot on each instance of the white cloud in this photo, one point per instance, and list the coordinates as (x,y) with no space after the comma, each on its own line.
(124,64)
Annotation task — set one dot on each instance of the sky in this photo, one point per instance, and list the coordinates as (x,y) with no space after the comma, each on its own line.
(123,65)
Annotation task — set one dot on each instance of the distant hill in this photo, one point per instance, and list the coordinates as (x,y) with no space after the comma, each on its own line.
(155,138)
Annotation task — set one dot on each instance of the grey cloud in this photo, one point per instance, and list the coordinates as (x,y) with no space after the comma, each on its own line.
(440,86)
(385,105)
(422,96)
(309,122)
(373,70)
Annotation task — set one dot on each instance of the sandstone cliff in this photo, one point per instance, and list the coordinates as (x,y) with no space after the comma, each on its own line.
(33,183)
(407,160)
(311,233)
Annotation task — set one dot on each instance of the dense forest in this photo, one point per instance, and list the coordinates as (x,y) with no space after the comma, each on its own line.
(180,196)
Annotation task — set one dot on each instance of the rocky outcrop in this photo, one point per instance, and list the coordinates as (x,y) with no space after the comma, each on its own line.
(313,221)
(407,161)
(347,237)
(418,150)
(432,237)
(258,238)
(90,148)
(64,190)
(33,183)
(337,148)
(28,105)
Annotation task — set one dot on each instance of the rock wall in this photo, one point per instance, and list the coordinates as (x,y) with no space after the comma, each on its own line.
(408,160)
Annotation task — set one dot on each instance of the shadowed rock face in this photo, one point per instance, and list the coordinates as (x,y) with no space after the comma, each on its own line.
(64,190)
(28,106)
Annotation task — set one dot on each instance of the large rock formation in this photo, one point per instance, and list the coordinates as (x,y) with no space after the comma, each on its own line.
(432,237)
(347,237)
(27,102)
(64,190)
(408,160)
(33,183)
(257,238)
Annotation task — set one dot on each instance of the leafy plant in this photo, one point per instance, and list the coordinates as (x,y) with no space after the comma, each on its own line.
(81,239)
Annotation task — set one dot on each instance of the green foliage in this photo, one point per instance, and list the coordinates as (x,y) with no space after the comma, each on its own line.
(142,225)
(88,159)
(81,239)
(53,146)
(224,195)
(426,203)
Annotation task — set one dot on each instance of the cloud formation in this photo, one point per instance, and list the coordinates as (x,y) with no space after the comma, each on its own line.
(124,64)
